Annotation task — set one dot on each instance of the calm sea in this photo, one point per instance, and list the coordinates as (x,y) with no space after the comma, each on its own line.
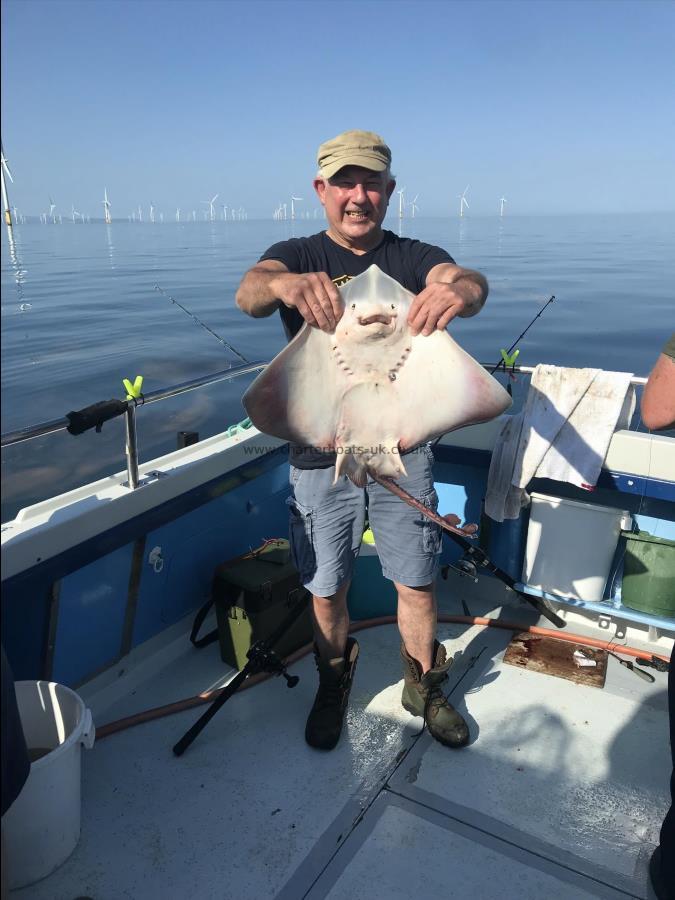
(80,312)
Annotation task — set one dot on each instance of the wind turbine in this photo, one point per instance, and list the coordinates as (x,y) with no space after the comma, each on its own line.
(140,213)
(211,202)
(294,200)
(414,206)
(106,207)
(463,202)
(52,207)
(75,213)
(502,201)
(401,203)
(152,212)
(178,214)
(4,169)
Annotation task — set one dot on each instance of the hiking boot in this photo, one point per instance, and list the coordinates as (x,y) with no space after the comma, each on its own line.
(423,696)
(324,723)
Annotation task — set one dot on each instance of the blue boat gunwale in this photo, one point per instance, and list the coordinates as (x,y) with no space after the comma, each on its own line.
(615,489)
(163,500)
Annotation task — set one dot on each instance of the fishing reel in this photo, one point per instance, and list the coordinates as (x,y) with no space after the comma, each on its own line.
(465,568)
(264,659)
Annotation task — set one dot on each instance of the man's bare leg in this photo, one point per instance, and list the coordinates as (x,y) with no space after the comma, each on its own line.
(417,622)
(331,623)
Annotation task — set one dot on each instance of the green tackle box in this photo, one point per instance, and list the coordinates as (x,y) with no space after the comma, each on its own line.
(252,598)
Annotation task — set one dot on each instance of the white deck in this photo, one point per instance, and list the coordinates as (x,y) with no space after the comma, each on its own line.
(560,794)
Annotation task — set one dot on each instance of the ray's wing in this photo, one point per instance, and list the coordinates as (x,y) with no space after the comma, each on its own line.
(297,397)
(441,388)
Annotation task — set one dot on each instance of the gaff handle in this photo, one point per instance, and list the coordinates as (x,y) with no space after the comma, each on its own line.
(94,416)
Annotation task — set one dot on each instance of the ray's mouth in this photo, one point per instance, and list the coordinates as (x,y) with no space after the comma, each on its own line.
(378,317)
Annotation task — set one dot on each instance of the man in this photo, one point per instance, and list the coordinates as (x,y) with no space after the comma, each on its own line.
(299,278)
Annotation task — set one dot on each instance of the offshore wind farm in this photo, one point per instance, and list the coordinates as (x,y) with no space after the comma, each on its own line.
(208,211)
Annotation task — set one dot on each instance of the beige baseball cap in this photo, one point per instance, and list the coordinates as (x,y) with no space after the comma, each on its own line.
(353,148)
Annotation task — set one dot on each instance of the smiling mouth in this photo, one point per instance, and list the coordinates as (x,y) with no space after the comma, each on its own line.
(356,214)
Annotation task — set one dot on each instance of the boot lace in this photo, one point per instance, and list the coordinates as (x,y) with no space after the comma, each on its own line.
(331,692)
(435,699)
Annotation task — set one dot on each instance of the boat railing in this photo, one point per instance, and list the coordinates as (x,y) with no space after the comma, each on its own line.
(128,408)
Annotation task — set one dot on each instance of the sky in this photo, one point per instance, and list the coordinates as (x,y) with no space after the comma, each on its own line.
(563,107)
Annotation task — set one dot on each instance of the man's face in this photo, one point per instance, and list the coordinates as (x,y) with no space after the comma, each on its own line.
(355,201)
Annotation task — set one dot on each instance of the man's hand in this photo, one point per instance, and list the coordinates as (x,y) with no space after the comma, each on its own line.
(313,295)
(450,291)
(437,305)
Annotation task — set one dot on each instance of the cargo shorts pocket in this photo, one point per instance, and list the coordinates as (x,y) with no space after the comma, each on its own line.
(431,532)
(301,538)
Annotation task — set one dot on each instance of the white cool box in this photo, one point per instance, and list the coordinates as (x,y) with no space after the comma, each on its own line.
(570,546)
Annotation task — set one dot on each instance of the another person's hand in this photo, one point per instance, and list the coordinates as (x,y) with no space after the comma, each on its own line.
(314,296)
(437,305)
(454,520)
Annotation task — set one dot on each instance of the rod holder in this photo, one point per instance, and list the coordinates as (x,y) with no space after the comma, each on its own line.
(131,446)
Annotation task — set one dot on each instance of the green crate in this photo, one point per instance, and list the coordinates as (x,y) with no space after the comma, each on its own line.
(649,574)
(252,597)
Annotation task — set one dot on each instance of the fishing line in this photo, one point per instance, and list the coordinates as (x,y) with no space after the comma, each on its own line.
(513,345)
(202,324)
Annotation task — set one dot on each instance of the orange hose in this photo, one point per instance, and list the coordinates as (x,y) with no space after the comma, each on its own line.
(168,709)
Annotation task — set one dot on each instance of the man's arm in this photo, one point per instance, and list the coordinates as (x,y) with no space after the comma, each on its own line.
(658,397)
(269,283)
(450,291)
(256,294)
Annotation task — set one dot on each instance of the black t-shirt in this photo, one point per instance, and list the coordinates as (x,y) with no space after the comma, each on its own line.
(406,260)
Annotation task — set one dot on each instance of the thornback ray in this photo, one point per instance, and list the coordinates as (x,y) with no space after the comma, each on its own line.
(369,390)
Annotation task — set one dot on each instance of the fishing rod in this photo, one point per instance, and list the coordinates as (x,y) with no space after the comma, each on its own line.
(472,553)
(202,324)
(261,658)
(504,361)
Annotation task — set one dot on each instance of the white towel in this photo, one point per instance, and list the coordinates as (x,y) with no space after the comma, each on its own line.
(563,433)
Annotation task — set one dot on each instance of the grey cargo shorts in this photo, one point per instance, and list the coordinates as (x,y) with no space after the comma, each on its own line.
(327,521)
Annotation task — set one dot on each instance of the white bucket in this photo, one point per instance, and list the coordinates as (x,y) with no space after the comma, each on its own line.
(42,827)
(570,546)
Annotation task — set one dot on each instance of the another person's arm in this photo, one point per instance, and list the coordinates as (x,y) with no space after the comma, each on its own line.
(450,291)
(658,397)
(269,283)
